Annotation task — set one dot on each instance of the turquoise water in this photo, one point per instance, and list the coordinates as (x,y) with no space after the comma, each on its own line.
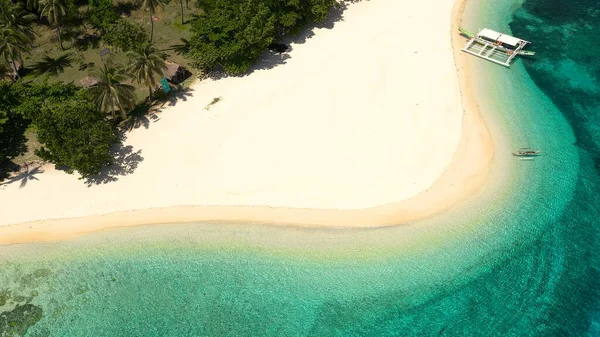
(520,260)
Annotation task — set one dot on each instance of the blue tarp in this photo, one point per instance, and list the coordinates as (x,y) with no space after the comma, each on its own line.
(165,85)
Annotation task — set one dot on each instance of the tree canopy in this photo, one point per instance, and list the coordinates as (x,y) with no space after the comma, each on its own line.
(12,44)
(145,65)
(19,103)
(74,134)
(233,33)
(102,14)
(71,129)
(54,11)
(111,93)
(72,123)
(125,35)
(12,124)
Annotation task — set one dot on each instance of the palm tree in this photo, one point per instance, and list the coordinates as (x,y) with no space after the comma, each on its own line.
(13,16)
(144,64)
(151,6)
(54,10)
(12,44)
(110,93)
(180,2)
(16,17)
(53,66)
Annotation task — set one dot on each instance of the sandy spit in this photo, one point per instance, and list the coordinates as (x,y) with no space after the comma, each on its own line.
(370,123)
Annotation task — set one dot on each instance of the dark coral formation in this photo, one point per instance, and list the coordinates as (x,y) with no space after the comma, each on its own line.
(16,322)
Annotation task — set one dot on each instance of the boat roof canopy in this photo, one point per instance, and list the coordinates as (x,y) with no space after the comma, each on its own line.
(509,40)
(495,36)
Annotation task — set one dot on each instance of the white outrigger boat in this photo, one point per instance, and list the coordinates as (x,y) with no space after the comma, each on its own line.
(494,46)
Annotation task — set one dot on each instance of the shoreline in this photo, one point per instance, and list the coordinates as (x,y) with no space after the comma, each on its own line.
(465,176)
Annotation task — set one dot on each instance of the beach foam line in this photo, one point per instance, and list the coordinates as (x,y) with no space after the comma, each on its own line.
(464,176)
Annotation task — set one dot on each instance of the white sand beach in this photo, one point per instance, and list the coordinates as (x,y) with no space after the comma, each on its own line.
(361,125)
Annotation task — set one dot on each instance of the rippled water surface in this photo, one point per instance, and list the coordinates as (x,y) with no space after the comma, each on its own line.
(521,260)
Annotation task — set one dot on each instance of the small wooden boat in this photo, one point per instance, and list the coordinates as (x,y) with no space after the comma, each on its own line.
(526,152)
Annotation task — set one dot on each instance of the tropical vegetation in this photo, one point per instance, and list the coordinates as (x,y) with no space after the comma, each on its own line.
(152,6)
(73,133)
(233,34)
(111,93)
(146,63)
(54,11)
(13,43)
(72,70)
(102,14)
(125,35)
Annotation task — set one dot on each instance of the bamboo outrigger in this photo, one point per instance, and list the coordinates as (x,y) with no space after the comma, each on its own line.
(496,47)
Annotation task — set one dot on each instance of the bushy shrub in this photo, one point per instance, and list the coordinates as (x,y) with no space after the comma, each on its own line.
(125,35)
(72,131)
(74,134)
(102,14)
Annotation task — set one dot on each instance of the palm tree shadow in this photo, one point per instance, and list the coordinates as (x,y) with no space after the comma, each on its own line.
(25,175)
(178,96)
(144,113)
(126,161)
(139,117)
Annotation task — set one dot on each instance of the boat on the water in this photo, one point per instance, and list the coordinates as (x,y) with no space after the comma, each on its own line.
(526,152)
(496,47)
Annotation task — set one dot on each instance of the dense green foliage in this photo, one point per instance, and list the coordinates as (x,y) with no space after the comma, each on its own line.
(74,134)
(15,16)
(110,93)
(102,14)
(233,33)
(54,11)
(12,44)
(12,124)
(16,36)
(125,35)
(72,123)
(19,103)
(32,96)
(145,65)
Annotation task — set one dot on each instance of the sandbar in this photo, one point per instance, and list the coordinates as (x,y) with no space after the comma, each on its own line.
(366,123)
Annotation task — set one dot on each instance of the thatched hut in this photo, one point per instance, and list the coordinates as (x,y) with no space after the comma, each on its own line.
(175,73)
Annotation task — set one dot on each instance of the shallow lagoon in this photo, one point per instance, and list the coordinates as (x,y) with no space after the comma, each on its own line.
(520,260)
